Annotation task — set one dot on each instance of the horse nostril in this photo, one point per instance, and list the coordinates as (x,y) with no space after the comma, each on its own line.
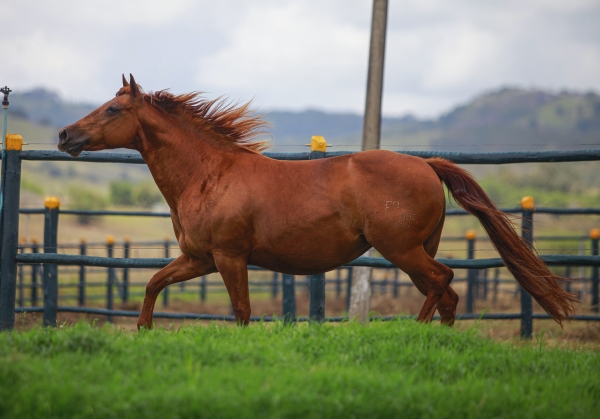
(63,135)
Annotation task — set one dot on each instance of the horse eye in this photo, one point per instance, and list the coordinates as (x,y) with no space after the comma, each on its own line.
(112,110)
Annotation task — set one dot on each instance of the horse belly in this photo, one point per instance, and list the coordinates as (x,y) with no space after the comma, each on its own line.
(309,251)
(302,264)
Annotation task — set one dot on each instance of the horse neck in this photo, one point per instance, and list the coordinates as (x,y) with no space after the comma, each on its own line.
(178,157)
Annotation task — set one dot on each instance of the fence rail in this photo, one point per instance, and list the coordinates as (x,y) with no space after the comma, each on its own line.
(507,157)
(96,212)
(371,262)
(50,259)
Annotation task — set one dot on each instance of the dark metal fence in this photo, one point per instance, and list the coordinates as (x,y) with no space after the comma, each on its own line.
(316,283)
(479,281)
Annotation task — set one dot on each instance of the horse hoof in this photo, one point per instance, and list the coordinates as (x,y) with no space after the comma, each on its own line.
(145,326)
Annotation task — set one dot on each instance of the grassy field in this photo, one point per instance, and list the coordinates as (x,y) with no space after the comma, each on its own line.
(384,370)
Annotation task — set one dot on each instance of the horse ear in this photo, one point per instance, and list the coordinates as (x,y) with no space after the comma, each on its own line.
(125,84)
(135,91)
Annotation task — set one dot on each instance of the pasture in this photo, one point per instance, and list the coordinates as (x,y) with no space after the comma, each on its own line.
(386,369)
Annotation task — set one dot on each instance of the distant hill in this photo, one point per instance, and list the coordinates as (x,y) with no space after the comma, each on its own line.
(500,120)
(504,119)
(47,108)
(520,119)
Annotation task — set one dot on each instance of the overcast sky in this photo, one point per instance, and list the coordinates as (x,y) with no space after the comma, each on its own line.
(299,54)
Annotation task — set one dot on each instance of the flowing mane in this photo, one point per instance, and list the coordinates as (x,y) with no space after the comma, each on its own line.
(234,123)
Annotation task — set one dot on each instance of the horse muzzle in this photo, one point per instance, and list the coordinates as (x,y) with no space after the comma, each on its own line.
(71,145)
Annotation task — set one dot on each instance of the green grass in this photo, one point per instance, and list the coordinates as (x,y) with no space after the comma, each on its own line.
(384,370)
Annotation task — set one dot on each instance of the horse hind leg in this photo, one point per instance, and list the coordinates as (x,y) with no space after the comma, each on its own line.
(431,278)
(449,302)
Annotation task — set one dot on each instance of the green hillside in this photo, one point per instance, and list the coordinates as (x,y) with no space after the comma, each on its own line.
(35,136)
(522,119)
(501,120)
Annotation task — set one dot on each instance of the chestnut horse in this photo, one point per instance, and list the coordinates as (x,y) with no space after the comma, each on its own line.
(232,206)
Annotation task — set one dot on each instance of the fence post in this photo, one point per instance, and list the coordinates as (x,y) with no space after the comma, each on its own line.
(396,282)
(470,236)
(289,298)
(165,292)
(527,205)
(360,302)
(203,288)
(35,248)
(20,272)
(485,284)
(316,309)
(348,289)
(110,245)
(496,284)
(125,295)
(275,285)
(581,275)
(568,276)
(318,147)
(11,181)
(50,270)
(338,282)
(81,296)
(595,235)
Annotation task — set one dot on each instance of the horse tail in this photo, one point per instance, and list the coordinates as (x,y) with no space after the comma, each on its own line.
(523,263)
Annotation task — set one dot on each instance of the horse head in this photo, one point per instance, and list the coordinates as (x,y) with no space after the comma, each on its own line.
(113,125)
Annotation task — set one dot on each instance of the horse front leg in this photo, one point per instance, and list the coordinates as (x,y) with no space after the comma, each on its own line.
(234,271)
(181,269)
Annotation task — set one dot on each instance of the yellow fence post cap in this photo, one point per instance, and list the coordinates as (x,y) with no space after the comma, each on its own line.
(51,202)
(34,240)
(127,240)
(595,233)
(110,239)
(318,143)
(83,240)
(14,142)
(527,203)
(470,234)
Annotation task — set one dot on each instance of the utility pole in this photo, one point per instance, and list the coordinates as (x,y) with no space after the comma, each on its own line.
(360,299)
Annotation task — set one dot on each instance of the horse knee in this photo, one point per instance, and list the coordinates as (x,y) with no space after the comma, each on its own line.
(441,283)
(447,276)
(150,289)
(154,286)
